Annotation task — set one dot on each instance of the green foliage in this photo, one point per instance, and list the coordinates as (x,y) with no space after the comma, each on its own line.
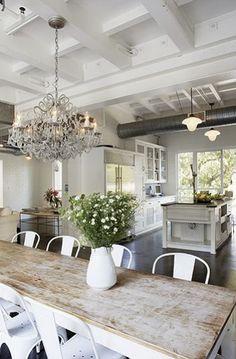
(102,220)
(208,170)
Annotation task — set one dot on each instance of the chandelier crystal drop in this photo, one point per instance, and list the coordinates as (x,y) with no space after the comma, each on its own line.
(54,130)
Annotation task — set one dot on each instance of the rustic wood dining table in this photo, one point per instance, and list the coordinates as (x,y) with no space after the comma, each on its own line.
(143,316)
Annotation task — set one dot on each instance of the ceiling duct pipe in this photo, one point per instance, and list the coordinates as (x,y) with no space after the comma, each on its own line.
(219,117)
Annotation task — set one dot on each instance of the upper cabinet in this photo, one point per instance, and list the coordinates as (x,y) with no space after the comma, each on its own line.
(155,161)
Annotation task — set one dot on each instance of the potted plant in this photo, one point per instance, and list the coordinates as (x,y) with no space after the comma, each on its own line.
(102,221)
(52,197)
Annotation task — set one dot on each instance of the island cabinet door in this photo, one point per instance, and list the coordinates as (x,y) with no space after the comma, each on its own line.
(149,213)
(158,215)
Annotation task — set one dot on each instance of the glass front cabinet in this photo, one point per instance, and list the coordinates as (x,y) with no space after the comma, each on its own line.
(155,161)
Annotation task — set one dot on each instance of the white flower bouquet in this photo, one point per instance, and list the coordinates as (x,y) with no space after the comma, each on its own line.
(102,219)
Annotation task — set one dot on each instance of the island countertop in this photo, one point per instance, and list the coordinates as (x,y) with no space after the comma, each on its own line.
(213,204)
(156,315)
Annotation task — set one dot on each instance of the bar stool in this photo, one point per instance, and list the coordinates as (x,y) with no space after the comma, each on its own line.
(117,253)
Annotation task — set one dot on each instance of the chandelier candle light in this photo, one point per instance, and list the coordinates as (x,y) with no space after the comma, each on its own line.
(57,130)
(191,121)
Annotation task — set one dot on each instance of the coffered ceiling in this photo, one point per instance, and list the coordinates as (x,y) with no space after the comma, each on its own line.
(137,56)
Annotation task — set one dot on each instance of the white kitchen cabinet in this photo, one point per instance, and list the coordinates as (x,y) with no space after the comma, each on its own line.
(155,161)
(149,215)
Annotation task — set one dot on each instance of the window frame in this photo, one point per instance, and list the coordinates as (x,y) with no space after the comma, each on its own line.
(195,152)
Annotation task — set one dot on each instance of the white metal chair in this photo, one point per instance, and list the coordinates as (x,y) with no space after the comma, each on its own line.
(18,333)
(31,239)
(183,265)
(117,253)
(81,345)
(67,245)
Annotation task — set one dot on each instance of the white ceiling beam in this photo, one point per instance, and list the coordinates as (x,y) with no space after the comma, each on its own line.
(8,78)
(20,24)
(126,20)
(83,27)
(145,103)
(182,2)
(216,94)
(187,94)
(21,67)
(190,69)
(67,47)
(168,102)
(25,49)
(170,19)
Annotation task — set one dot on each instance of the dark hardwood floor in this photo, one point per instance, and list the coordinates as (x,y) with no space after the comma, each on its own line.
(146,248)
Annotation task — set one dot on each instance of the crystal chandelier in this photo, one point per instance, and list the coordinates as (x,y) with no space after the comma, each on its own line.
(55,131)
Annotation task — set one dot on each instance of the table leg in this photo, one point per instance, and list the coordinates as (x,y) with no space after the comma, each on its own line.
(213,232)
(165,228)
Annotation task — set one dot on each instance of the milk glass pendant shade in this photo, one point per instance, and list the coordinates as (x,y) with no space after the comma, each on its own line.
(191,121)
(212,134)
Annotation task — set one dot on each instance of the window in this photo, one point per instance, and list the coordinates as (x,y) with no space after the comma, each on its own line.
(57,177)
(216,172)
(209,171)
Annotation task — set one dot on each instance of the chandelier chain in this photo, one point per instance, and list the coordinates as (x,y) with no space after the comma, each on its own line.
(56,65)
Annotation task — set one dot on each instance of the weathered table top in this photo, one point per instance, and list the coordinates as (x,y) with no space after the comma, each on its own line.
(179,318)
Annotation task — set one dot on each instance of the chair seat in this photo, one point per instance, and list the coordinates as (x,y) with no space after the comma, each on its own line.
(20,326)
(79,347)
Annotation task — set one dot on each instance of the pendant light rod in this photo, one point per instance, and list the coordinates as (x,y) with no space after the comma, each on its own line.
(191,100)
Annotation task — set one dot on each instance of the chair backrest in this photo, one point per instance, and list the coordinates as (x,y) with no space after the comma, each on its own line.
(183,265)
(67,245)
(46,320)
(31,239)
(11,295)
(117,253)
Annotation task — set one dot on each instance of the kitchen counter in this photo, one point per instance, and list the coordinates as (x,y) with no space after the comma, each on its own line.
(196,226)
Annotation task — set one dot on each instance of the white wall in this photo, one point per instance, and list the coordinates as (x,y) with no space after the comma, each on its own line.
(186,141)
(20,181)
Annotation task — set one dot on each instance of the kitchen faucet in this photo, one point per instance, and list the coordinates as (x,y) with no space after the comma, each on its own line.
(194,174)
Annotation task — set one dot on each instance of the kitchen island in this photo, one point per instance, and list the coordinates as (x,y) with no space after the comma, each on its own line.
(196,226)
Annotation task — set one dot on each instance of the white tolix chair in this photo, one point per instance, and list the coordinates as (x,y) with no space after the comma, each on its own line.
(117,253)
(18,333)
(80,346)
(31,239)
(183,265)
(68,243)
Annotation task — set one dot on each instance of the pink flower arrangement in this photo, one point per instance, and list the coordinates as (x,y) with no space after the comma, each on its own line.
(52,196)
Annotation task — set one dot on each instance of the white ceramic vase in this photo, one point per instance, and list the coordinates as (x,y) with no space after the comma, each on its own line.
(101,273)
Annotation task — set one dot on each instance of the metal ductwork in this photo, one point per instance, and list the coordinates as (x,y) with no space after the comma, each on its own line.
(11,150)
(219,117)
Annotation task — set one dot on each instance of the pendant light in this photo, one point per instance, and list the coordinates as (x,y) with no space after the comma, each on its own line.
(191,121)
(212,133)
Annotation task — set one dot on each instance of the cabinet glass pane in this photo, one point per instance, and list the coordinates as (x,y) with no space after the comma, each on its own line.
(140,148)
(149,152)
